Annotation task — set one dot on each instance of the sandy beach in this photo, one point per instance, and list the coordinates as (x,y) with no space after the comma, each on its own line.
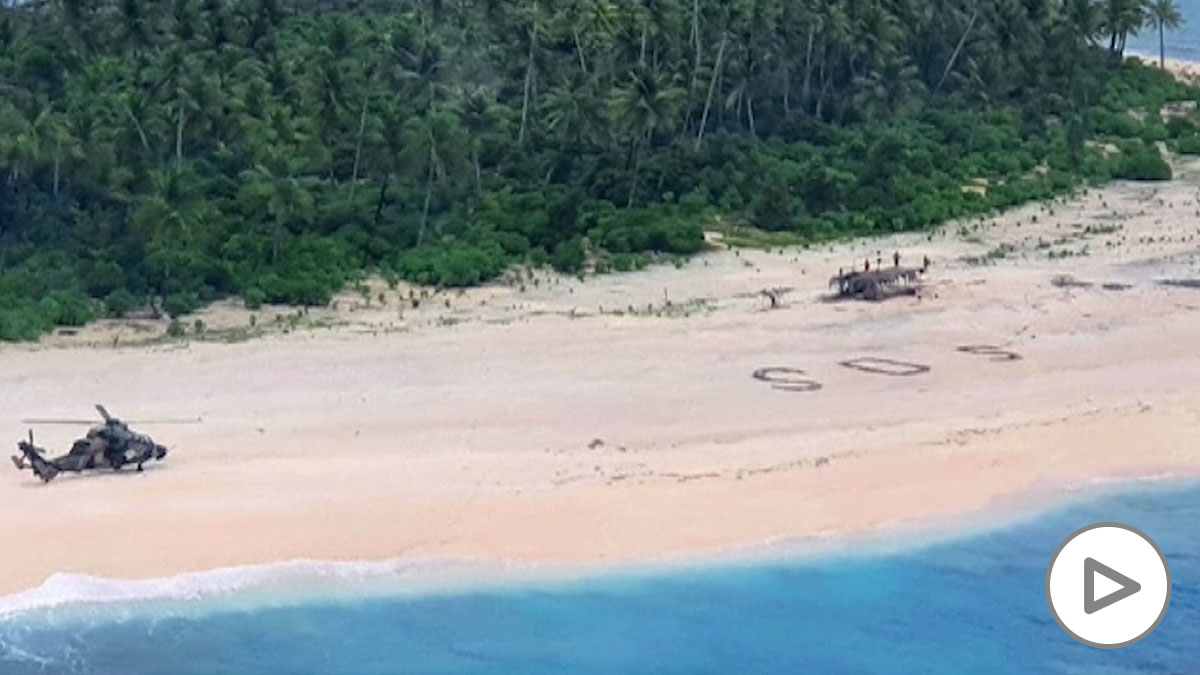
(618,419)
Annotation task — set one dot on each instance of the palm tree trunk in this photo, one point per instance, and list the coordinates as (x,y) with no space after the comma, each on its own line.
(637,165)
(825,83)
(362,127)
(1162,48)
(750,113)
(57,162)
(179,138)
(428,196)
(687,122)
(712,85)
(787,89)
(478,169)
(528,84)
(579,49)
(957,49)
(387,175)
(642,53)
(806,93)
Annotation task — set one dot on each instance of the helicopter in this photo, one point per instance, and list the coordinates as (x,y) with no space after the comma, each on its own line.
(111,445)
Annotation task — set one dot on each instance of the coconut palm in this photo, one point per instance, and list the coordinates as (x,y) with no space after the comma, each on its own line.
(648,104)
(1163,14)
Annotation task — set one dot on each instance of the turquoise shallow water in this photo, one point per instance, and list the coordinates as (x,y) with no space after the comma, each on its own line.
(972,605)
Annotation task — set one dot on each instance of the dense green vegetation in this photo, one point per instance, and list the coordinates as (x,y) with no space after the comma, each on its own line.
(164,153)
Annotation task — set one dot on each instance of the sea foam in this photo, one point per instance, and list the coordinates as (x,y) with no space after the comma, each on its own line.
(275,580)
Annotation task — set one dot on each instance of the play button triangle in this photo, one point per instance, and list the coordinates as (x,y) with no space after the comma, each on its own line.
(1092,567)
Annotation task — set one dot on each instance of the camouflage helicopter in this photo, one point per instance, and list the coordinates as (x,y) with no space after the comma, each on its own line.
(111,445)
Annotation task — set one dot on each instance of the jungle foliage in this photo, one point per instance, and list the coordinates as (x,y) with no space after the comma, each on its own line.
(165,153)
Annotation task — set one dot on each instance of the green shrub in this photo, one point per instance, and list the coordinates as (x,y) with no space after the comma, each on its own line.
(569,257)
(253,297)
(1143,163)
(1181,127)
(119,303)
(1188,145)
(178,304)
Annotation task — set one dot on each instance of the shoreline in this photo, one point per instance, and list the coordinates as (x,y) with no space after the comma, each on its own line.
(645,435)
(288,583)
(1183,69)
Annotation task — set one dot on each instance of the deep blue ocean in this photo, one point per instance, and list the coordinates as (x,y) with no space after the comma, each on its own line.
(971,605)
(1183,43)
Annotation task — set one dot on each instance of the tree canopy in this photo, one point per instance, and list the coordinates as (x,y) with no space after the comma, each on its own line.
(165,153)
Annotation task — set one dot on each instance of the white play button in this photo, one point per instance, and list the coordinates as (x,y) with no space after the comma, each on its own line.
(1115,586)
(1108,585)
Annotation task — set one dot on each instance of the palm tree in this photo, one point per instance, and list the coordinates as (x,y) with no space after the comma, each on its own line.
(1121,18)
(574,111)
(433,142)
(56,141)
(277,190)
(1165,14)
(477,109)
(648,104)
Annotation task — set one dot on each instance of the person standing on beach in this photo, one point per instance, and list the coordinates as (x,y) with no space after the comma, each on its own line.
(896,259)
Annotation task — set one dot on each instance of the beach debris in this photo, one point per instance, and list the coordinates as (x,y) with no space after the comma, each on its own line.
(1068,281)
(774,295)
(1180,283)
(110,445)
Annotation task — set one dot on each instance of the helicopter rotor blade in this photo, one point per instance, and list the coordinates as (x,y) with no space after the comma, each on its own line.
(189,420)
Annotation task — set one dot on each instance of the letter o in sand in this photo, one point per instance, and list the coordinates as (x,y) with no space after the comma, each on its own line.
(997,353)
(784,379)
(871,364)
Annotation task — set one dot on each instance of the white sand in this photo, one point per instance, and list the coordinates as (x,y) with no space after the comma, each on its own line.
(510,431)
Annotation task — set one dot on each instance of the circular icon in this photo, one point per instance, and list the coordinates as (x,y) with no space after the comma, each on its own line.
(1108,585)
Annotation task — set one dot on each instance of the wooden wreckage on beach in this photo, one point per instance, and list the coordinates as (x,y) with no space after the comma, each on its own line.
(878,284)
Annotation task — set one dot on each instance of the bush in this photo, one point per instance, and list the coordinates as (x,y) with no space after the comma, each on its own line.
(1143,163)
(253,297)
(178,304)
(175,329)
(452,264)
(569,257)
(119,303)
(1181,127)
(1188,145)
(66,308)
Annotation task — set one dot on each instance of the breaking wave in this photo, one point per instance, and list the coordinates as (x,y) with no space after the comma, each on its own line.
(258,585)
